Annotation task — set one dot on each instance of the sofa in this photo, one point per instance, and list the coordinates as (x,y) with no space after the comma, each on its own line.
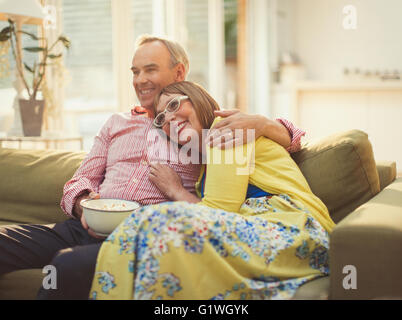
(363,197)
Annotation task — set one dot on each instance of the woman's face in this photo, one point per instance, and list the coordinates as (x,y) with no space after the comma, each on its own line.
(183,125)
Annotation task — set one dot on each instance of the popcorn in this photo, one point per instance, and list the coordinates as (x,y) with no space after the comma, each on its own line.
(106,207)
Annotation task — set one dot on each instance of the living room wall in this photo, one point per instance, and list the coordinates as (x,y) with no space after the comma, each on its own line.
(313,30)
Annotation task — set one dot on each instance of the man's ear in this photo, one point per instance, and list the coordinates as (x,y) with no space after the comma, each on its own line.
(180,72)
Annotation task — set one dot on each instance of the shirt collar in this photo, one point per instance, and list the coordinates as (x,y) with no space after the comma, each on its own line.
(138,110)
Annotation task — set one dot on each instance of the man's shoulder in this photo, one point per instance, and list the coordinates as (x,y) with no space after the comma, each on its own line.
(130,115)
(121,120)
(117,117)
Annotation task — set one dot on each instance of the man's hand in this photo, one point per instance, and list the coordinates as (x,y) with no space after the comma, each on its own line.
(166,179)
(78,212)
(223,135)
(169,182)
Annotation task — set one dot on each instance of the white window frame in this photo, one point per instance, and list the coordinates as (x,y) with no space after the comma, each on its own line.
(258,57)
(216,50)
(122,54)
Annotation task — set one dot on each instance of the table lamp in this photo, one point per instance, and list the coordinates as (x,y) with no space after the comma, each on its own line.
(21,12)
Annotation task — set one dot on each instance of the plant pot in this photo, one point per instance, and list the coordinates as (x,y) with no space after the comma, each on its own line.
(32,117)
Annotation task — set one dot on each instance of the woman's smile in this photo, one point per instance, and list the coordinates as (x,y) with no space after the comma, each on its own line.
(180,126)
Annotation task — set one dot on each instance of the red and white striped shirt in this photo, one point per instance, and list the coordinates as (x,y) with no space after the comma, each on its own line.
(117,165)
(295,133)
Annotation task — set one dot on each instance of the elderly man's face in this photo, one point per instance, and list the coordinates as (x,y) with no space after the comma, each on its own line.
(152,71)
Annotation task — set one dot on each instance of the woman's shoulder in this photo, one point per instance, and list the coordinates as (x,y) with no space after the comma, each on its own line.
(264,144)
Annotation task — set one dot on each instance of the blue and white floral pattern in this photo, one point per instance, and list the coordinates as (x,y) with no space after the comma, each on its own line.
(244,244)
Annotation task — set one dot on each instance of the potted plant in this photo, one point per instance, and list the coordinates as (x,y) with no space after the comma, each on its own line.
(31,109)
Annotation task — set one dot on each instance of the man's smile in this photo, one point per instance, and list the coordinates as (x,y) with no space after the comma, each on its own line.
(147,91)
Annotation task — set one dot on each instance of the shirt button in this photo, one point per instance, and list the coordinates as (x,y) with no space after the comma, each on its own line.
(134,181)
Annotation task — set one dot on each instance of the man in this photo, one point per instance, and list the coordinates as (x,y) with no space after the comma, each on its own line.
(114,168)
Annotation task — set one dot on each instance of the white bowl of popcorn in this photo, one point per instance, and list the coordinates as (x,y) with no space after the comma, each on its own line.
(104,215)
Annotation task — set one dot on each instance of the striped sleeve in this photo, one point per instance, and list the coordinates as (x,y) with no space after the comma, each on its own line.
(90,174)
(295,133)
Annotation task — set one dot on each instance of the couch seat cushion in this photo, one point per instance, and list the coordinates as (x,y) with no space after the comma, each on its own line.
(317,289)
(21,285)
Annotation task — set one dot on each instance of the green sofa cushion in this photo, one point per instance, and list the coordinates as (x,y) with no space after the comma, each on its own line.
(370,239)
(21,285)
(340,170)
(32,184)
(317,289)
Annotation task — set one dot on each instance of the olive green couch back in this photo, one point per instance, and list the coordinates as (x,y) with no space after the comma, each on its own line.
(340,169)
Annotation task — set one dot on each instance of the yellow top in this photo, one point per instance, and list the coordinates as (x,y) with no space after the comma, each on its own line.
(262,163)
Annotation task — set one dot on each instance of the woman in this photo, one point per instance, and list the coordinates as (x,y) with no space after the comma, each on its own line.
(256,231)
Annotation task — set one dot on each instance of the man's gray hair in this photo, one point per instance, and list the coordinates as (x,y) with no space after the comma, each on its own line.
(177,52)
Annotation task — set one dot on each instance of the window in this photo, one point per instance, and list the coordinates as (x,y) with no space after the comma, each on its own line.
(141,16)
(7,92)
(103,33)
(90,60)
(231,70)
(90,96)
(196,13)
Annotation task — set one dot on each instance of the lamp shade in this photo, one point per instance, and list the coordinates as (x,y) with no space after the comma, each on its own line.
(29,10)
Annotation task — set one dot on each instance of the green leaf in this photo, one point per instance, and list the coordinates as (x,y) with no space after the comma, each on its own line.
(34,49)
(4,37)
(66,41)
(34,37)
(64,38)
(28,68)
(54,56)
(6,30)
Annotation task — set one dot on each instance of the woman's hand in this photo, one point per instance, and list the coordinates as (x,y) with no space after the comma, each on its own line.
(166,179)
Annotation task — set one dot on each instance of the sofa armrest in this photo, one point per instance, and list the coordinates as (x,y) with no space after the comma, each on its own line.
(370,239)
(386,172)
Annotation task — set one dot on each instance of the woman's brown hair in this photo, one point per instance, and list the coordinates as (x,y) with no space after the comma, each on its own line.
(204,105)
